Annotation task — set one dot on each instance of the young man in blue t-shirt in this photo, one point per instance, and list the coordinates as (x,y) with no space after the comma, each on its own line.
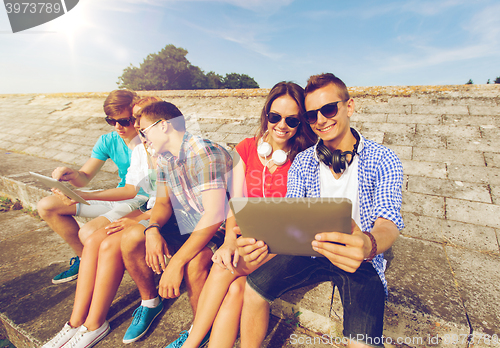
(59,213)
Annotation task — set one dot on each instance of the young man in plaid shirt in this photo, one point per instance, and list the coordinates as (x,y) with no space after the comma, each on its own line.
(190,205)
(342,164)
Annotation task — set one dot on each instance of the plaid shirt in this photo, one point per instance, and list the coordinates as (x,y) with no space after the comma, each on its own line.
(202,165)
(380,180)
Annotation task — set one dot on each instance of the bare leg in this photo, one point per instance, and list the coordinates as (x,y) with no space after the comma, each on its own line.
(134,251)
(109,275)
(196,274)
(90,227)
(254,319)
(227,323)
(86,279)
(210,300)
(60,219)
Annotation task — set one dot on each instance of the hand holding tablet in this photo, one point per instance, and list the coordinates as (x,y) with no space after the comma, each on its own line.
(53,183)
(289,225)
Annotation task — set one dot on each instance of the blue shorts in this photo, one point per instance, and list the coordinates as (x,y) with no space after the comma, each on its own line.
(362,293)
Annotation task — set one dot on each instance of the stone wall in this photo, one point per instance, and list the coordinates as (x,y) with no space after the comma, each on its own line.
(448,138)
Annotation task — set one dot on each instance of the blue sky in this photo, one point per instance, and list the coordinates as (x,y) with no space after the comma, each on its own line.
(366,43)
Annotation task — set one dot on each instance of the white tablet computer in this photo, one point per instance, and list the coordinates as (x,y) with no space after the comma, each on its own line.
(288,225)
(53,183)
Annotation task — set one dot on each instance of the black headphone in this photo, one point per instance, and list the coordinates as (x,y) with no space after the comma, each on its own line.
(337,159)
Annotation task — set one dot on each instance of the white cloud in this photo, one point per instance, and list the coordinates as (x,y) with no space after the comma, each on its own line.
(253,5)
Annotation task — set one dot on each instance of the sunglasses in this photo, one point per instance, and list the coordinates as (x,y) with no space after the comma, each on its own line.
(328,110)
(124,122)
(143,132)
(292,122)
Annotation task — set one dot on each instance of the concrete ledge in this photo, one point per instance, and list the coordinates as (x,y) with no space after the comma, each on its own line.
(443,273)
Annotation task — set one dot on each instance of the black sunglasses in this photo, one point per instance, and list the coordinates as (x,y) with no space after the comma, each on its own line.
(292,122)
(328,110)
(124,122)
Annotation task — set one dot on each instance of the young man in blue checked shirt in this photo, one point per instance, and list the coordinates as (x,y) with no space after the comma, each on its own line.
(190,206)
(342,164)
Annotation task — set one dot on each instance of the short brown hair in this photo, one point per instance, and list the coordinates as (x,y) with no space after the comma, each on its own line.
(318,81)
(119,101)
(145,101)
(166,111)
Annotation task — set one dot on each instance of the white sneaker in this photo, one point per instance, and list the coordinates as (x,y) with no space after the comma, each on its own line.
(85,338)
(62,337)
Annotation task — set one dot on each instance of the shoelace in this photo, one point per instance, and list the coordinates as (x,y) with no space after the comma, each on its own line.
(59,335)
(180,342)
(137,314)
(74,340)
(72,263)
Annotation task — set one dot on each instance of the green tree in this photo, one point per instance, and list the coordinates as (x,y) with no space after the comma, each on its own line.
(214,80)
(170,69)
(470,82)
(497,80)
(234,80)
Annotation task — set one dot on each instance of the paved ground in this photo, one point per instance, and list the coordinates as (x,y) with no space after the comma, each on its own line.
(444,270)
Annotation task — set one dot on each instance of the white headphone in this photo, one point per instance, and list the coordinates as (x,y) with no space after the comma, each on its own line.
(265,149)
(279,157)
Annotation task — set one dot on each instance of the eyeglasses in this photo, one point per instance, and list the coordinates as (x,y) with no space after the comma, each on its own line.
(142,132)
(124,122)
(328,110)
(292,122)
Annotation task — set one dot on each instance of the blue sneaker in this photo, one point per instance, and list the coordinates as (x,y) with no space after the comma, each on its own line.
(183,337)
(143,318)
(180,341)
(70,274)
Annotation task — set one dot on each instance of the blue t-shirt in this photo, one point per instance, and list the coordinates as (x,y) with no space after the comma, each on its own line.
(112,146)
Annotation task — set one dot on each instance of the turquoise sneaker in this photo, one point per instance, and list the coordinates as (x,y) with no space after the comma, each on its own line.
(143,318)
(180,341)
(183,337)
(70,274)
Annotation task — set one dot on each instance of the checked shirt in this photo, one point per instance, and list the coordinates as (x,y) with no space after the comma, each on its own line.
(380,179)
(202,165)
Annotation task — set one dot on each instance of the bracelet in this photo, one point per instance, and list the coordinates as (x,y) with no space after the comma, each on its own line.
(151,226)
(373,252)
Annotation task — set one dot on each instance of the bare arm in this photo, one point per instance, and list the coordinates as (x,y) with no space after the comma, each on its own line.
(213,202)
(354,248)
(114,194)
(79,178)
(224,255)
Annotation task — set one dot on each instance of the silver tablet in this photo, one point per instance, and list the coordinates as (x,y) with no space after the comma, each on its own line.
(53,183)
(289,225)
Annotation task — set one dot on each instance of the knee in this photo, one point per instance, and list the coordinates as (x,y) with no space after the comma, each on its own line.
(252,297)
(236,290)
(132,239)
(85,233)
(200,264)
(45,206)
(109,246)
(92,242)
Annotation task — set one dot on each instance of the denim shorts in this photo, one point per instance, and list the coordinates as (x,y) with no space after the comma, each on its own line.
(361,292)
(180,226)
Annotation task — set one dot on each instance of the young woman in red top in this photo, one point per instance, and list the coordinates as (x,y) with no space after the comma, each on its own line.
(262,172)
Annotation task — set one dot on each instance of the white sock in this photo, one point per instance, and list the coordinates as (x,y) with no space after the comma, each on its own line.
(153,303)
(190,329)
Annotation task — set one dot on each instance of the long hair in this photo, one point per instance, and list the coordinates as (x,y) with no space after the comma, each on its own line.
(304,137)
